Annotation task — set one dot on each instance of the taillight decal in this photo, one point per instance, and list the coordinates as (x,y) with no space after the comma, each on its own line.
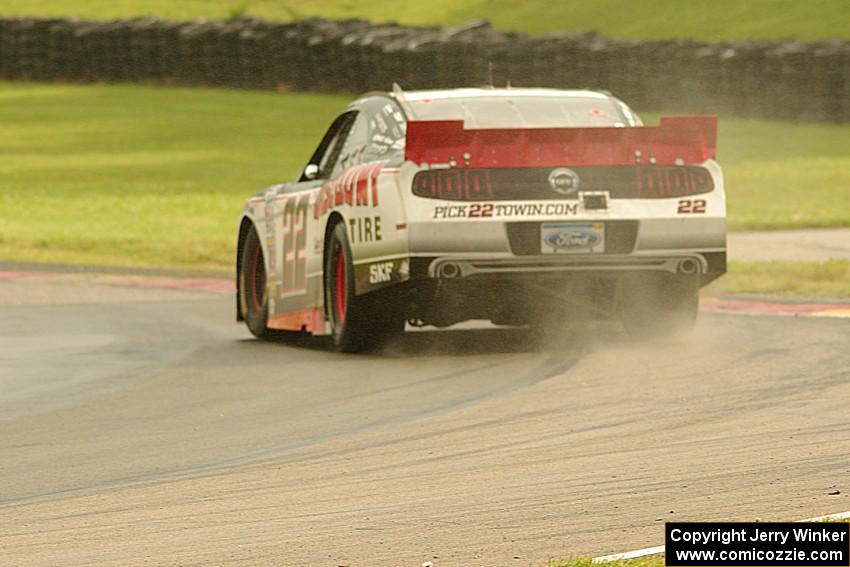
(478,186)
(423,186)
(648,182)
(517,184)
(453,185)
(449,185)
(672,181)
(701,181)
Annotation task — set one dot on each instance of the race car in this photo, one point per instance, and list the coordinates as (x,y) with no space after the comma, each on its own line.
(515,205)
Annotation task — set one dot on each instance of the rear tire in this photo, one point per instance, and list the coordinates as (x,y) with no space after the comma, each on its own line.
(253,293)
(659,305)
(358,323)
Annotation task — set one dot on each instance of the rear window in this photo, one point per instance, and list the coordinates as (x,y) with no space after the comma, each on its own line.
(525,112)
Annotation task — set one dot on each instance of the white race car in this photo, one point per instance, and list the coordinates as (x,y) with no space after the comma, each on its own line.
(510,205)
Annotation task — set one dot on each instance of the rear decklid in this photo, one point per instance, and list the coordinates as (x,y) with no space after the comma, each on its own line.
(677,140)
(512,164)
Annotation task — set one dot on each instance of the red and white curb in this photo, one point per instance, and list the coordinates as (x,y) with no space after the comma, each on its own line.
(718,305)
(707,304)
(14,275)
(153,282)
(659,549)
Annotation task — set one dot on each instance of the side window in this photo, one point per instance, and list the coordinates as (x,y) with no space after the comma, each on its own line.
(376,135)
(330,148)
(631,117)
(373,132)
(387,128)
(354,145)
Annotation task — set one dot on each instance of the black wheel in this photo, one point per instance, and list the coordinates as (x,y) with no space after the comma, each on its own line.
(253,294)
(659,305)
(358,322)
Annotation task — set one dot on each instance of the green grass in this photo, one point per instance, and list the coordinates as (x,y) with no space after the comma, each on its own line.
(147,176)
(784,174)
(131,175)
(707,19)
(809,279)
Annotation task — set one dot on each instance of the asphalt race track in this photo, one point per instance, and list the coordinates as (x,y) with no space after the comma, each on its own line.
(141,425)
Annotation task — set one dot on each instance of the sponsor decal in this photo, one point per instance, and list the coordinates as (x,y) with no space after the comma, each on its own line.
(479,210)
(381,272)
(355,187)
(375,275)
(564,181)
(365,229)
(572,237)
(567,239)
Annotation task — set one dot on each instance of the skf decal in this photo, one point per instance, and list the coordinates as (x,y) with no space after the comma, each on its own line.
(380,273)
(374,275)
(357,187)
(481,210)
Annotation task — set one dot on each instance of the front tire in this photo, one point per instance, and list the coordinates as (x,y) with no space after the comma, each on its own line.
(253,293)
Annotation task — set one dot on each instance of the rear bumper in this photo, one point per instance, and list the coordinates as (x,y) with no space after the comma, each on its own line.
(650,235)
(680,263)
(464,249)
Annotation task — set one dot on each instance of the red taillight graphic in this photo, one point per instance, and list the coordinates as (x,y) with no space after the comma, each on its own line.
(453,185)
(663,181)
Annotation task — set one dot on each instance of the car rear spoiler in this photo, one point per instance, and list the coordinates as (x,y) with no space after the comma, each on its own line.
(677,140)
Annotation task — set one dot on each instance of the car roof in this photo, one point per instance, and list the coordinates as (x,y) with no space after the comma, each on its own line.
(506,92)
(404,97)
(461,93)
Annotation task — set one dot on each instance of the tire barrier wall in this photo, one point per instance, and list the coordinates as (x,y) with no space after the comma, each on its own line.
(782,79)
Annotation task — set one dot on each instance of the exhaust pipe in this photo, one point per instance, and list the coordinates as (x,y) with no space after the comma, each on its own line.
(449,270)
(689,267)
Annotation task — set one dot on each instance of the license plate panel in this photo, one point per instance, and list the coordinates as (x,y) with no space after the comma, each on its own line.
(572,238)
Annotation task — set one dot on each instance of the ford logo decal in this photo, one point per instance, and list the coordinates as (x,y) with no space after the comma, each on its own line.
(564,181)
(569,239)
